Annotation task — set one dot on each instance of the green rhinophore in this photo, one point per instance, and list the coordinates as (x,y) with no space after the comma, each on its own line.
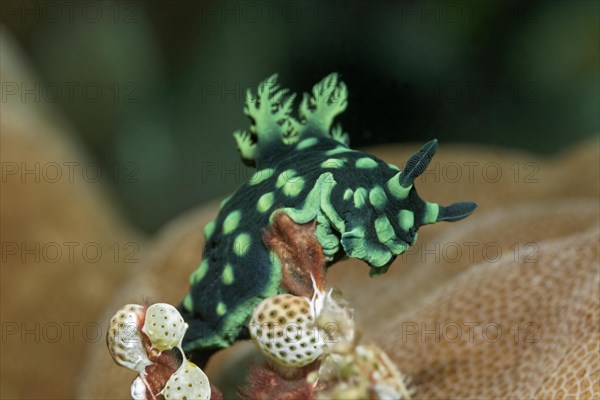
(361,206)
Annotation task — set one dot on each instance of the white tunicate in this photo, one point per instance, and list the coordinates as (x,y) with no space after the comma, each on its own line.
(164,326)
(188,382)
(138,389)
(124,340)
(283,328)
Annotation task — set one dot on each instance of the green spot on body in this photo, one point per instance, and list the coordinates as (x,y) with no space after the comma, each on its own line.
(377,197)
(286,176)
(199,273)
(241,244)
(360,196)
(357,246)
(227,276)
(261,176)
(238,316)
(293,187)
(366,162)
(232,221)
(397,246)
(348,194)
(431,213)
(337,150)
(384,230)
(273,286)
(224,202)
(378,256)
(333,163)
(354,242)
(396,189)
(326,236)
(328,208)
(307,143)
(188,304)
(265,202)
(221,309)
(312,201)
(406,219)
(209,229)
(392,166)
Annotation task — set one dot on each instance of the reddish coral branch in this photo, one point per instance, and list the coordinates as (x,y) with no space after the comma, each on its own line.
(264,383)
(300,253)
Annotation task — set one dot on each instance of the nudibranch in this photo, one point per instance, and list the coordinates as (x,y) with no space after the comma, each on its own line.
(312,201)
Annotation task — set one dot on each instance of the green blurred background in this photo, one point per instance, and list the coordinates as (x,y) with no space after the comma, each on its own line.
(155,89)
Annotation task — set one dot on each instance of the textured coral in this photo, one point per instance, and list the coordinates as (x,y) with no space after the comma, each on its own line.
(283,327)
(535,328)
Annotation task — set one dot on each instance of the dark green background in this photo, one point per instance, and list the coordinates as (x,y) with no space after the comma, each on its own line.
(173,75)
